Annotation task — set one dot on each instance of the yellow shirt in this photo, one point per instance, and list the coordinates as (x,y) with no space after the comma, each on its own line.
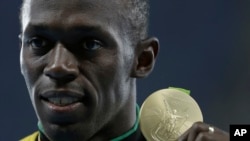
(32,137)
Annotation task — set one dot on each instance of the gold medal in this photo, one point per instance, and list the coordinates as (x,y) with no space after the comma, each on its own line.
(168,113)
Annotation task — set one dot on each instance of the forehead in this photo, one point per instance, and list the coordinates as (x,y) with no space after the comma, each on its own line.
(66,13)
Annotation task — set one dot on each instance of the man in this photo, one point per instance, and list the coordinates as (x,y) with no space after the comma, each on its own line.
(80,60)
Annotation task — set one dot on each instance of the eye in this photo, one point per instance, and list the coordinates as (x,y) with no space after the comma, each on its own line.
(92,44)
(37,42)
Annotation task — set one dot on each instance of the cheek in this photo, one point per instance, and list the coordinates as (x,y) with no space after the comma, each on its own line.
(30,68)
(113,75)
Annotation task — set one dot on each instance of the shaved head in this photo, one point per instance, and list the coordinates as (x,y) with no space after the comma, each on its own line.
(134,18)
(138,13)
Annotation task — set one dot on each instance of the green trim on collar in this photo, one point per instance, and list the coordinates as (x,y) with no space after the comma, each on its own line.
(40,127)
(132,130)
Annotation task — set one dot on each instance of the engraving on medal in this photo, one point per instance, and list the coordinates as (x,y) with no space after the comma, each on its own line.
(168,127)
(168,113)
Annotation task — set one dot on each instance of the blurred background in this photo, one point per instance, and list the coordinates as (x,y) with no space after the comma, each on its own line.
(205,47)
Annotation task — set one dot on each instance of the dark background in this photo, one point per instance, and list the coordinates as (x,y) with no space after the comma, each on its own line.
(205,47)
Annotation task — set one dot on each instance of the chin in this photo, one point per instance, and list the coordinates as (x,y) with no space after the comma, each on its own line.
(69,132)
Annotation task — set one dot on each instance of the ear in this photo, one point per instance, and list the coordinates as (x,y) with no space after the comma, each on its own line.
(145,57)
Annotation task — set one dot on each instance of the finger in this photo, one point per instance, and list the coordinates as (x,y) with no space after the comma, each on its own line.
(196,129)
(206,136)
(193,131)
(184,136)
(218,136)
(201,132)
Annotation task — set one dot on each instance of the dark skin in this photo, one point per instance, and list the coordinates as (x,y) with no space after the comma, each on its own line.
(81,69)
(77,53)
(200,132)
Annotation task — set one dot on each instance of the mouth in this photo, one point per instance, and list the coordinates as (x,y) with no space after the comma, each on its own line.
(62,98)
(62,107)
(62,101)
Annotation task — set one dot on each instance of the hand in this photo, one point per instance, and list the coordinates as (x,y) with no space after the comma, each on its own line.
(200,132)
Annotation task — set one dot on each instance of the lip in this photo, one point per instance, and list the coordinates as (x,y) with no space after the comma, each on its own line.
(62,101)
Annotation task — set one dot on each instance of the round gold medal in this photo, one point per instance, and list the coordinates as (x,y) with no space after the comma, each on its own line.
(168,113)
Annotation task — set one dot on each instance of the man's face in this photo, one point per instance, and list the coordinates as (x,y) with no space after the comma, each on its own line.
(76,64)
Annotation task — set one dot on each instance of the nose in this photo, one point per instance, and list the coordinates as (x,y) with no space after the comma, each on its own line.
(62,65)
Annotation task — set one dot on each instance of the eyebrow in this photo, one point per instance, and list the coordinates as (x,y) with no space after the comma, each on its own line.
(56,33)
(76,29)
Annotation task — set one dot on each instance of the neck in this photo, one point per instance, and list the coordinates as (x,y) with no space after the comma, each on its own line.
(121,123)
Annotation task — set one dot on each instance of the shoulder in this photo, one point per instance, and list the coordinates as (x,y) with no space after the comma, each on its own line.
(31,137)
